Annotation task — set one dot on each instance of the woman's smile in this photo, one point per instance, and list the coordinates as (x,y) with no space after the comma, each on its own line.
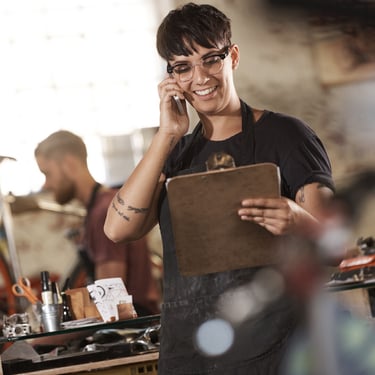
(205,91)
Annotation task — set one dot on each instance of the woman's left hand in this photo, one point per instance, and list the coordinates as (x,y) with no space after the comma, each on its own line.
(278,215)
(304,216)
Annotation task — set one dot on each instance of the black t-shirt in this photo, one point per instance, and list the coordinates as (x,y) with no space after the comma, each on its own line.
(277,138)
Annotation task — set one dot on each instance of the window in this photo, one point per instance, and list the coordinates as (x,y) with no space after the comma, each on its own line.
(75,65)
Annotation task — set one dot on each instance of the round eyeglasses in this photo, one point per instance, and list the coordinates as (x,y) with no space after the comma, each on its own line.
(210,64)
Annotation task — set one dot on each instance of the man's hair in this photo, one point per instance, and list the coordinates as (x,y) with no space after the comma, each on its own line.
(60,143)
(191,24)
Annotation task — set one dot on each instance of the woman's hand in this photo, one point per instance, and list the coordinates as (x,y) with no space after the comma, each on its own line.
(279,216)
(172,121)
(304,216)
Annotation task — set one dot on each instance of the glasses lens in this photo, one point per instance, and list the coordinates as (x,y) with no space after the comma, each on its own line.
(210,64)
(184,72)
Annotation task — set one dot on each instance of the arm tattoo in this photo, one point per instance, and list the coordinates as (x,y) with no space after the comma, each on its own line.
(302,196)
(120,213)
(137,210)
(119,199)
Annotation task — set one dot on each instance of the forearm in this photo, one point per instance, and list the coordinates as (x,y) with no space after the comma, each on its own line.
(306,225)
(132,211)
(314,199)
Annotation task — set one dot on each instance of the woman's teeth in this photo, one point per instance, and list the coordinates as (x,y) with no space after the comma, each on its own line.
(205,92)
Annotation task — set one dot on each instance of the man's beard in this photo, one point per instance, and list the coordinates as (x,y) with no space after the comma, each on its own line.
(65,195)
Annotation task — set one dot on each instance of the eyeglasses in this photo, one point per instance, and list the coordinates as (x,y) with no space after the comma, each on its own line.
(211,64)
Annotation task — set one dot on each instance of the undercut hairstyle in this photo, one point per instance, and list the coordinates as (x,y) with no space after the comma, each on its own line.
(60,143)
(203,25)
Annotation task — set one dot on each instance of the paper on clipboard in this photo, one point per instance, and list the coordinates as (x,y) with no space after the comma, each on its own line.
(209,235)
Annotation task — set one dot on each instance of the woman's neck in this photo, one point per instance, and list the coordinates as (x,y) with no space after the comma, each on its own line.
(222,126)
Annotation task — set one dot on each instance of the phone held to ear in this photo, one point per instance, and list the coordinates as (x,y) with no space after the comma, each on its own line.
(180,108)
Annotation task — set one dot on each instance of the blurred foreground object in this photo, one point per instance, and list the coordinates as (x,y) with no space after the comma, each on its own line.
(330,339)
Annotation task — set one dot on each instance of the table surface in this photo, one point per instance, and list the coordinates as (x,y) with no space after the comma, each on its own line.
(141,322)
(96,366)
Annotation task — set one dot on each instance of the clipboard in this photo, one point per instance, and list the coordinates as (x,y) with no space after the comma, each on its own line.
(209,235)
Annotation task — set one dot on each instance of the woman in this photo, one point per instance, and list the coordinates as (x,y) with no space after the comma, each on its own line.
(195,41)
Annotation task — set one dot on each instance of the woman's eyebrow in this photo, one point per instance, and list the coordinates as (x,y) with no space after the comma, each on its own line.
(210,53)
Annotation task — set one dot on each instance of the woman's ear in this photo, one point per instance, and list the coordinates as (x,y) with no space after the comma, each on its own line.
(235,55)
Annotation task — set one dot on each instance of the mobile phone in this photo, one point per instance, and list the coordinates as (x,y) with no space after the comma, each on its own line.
(180,108)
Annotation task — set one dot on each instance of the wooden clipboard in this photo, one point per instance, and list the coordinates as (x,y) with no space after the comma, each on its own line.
(209,235)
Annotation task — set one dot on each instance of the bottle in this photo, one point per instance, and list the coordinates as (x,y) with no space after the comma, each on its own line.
(66,313)
(47,296)
(56,294)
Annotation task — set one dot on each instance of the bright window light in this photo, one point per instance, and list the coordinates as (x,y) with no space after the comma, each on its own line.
(89,66)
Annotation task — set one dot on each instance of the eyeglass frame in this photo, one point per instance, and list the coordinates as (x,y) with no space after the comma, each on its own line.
(223,55)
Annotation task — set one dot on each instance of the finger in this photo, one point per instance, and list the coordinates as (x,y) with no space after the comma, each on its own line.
(260,212)
(274,229)
(255,219)
(170,87)
(262,202)
(269,221)
(274,226)
(281,222)
(169,93)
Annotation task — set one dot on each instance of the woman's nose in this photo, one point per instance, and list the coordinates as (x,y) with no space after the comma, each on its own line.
(200,75)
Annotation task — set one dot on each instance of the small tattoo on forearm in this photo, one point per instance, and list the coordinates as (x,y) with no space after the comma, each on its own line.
(302,196)
(120,213)
(138,210)
(119,199)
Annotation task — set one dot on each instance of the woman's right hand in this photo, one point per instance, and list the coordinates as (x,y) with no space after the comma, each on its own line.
(172,122)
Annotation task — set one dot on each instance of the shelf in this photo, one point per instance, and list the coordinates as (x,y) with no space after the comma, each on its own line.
(340,287)
(140,322)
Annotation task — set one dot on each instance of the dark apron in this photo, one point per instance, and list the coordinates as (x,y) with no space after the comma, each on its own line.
(191,300)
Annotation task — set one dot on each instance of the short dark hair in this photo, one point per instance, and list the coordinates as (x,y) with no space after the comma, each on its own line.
(192,24)
(60,143)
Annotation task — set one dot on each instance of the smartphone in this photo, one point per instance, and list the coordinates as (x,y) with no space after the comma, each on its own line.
(180,108)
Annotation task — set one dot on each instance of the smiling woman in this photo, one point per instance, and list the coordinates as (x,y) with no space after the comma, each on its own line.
(194,40)
(61,71)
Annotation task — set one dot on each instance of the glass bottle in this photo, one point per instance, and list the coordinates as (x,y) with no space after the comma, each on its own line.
(66,313)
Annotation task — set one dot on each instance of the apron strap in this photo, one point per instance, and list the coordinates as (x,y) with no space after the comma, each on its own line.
(182,161)
(248,138)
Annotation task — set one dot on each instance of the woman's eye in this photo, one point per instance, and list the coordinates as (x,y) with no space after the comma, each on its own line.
(182,69)
(211,60)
